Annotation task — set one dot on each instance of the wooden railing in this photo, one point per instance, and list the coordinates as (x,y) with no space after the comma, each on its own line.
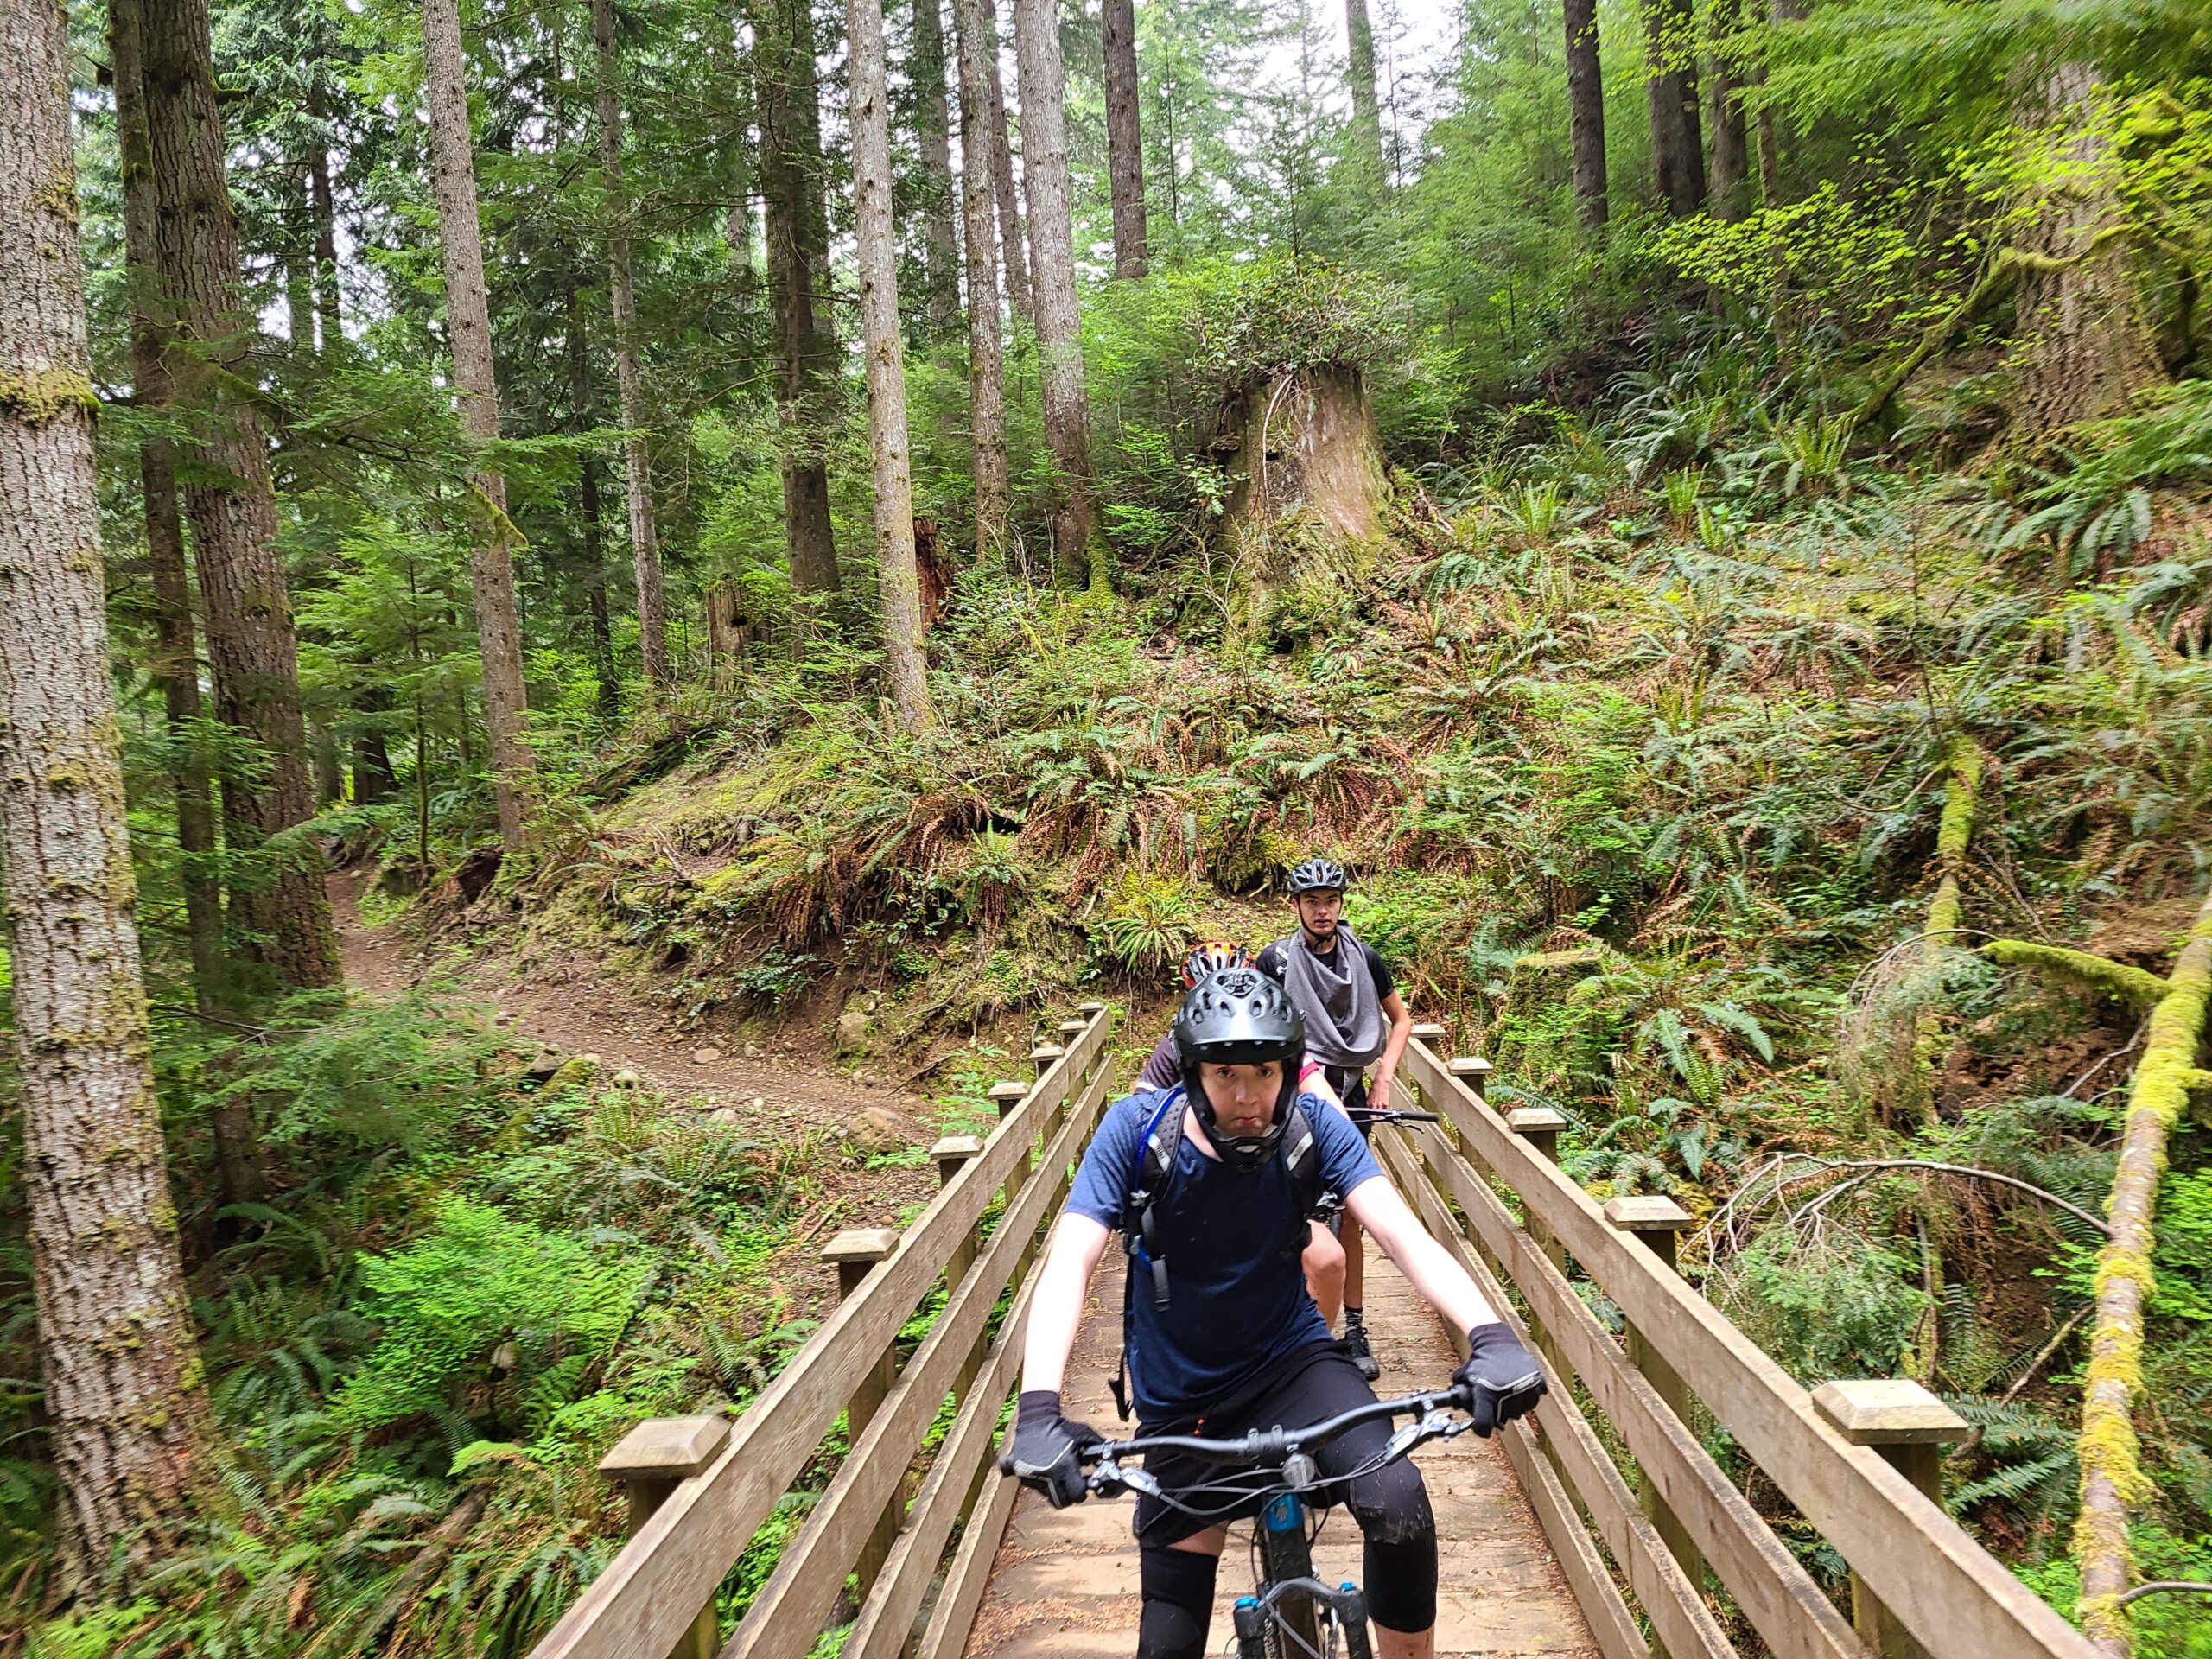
(1857,1460)
(701,1487)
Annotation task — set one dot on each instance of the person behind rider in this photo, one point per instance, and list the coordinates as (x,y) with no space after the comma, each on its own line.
(1324,1257)
(1354,1018)
(1239,1345)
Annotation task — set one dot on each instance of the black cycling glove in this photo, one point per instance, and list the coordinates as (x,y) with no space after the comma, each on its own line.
(1503,1379)
(1043,1450)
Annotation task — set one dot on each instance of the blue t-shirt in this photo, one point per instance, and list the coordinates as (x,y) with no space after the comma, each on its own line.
(1237,1301)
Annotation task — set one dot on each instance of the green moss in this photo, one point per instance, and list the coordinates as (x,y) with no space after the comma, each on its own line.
(2094,972)
(44,395)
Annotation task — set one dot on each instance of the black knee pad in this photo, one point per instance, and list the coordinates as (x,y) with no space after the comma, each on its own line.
(1391,1505)
(1178,1586)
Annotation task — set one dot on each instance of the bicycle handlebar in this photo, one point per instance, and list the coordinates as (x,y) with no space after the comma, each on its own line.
(1267,1445)
(1389,1114)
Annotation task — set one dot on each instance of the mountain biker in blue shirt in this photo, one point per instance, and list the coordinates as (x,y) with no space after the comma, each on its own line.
(1238,1343)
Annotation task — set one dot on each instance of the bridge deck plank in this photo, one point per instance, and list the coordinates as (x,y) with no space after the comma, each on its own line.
(1065,1585)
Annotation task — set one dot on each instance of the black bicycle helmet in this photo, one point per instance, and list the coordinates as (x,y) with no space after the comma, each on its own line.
(1240,1017)
(1210,958)
(1317,875)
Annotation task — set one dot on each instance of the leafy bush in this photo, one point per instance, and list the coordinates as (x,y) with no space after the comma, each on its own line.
(489,1305)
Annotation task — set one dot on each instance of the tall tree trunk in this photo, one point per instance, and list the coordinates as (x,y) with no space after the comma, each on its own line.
(323,206)
(897,588)
(1366,108)
(593,561)
(468,322)
(177,664)
(1677,143)
(1117,21)
(1731,157)
(278,898)
(986,358)
(127,1411)
(1586,111)
(629,372)
(933,138)
(1769,130)
(791,166)
(2084,346)
(1076,539)
(1013,241)
(374,778)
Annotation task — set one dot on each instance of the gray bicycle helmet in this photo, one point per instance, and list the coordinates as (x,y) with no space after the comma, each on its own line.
(1317,875)
(1240,1017)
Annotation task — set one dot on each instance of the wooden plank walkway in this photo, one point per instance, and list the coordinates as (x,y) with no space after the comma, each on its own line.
(1065,1585)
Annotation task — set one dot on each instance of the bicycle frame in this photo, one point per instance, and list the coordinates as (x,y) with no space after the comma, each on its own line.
(1290,1595)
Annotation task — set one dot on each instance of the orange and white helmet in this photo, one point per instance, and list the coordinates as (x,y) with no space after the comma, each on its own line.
(1210,958)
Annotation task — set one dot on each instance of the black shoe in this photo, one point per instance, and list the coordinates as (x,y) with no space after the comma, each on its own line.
(1360,1354)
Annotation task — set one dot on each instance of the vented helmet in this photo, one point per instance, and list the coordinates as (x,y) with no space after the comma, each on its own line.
(1210,958)
(1238,1016)
(1317,875)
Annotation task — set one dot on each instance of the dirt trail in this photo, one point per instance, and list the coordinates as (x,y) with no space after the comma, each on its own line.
(577,1011)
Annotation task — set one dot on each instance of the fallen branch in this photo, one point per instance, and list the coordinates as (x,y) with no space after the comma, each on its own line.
(2080,968)
(2113,1482)
(409,1585)
(1968,1170)
(2164,1586)
(1936,338)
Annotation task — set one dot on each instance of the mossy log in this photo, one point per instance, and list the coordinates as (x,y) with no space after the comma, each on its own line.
(2113,1481)
(2092,973)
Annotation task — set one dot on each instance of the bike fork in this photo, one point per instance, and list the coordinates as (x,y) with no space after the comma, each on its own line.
(1292,1596)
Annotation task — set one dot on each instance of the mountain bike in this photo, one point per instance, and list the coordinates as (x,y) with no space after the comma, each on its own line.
(1290,1614)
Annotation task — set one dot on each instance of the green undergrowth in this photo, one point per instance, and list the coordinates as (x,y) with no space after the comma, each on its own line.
(1635,737)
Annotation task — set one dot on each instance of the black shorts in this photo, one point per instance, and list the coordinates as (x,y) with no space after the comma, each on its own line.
(1316,1382)
(1354,1095)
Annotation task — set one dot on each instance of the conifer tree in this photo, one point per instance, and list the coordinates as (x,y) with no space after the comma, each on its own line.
(468,322)
(986,354)
(279,909)
(629,370)
(1076,542)
(124,1392)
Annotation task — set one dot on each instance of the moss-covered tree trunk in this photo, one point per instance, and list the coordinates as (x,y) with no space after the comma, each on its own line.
(123,1396)
(2084,346)
(2112,1483)
(1304,441)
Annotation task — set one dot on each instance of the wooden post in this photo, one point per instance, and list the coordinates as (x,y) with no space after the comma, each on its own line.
(652,1460)
(1540,1127)
(1087,1009)
(1656,1223)
(1042,1056)
(1473,1070)
(1909,1427)
(1071,1032)
(949,1154)
(856,1252)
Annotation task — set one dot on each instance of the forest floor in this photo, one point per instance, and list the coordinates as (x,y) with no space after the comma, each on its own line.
(579,1009)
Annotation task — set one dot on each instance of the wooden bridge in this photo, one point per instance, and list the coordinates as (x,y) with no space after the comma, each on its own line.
(1601,1527)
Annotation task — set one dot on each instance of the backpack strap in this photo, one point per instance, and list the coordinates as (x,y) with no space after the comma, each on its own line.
(1163,1139)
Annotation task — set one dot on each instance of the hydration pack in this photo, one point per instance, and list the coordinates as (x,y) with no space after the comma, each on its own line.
(1156,1153)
